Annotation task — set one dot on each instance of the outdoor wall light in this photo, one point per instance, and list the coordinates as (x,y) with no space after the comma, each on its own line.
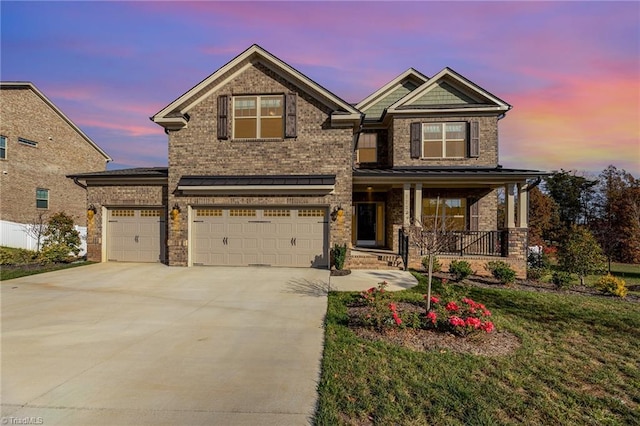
(175,211)
(91,211)
(336,213)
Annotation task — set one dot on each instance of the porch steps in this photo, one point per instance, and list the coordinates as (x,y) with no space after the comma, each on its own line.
(373,259)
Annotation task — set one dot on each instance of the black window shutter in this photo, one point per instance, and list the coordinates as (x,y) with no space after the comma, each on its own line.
(290,127)
(416,139)
(223,117)
(474,214)
(474,140)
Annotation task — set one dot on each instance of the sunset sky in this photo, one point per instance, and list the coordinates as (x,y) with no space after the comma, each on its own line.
(571,70)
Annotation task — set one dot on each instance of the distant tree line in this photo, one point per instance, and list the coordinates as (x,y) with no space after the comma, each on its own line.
(607,206)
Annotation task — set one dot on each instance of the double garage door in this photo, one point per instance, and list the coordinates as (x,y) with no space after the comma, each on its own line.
(135,235)
(260,236)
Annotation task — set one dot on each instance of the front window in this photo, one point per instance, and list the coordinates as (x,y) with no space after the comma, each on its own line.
(367,148)
(3,147)
(444,140)
(258,117)
(449,214)
(42,198)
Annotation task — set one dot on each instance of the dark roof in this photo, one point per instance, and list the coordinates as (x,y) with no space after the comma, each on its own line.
(257,180)
(136,172)
(498,171)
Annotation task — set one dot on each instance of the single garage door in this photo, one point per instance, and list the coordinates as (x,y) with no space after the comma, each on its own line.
(260,236)
(135,235)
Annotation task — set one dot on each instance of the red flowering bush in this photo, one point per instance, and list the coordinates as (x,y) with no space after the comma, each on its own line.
(463,318)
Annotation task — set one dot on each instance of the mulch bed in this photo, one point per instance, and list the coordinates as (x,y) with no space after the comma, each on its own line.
(496,343)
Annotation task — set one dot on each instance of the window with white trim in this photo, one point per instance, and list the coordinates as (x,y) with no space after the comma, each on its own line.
(3,147)
(367,148)
(258,117)
(444,140)
(42,198)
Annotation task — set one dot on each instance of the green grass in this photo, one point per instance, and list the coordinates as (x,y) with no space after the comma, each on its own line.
(9,273)
(578,364)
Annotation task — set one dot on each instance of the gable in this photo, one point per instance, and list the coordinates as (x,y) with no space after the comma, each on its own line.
(175,115)
(443,93)
(375,104)
(25,85)
(374,112)
(449,91)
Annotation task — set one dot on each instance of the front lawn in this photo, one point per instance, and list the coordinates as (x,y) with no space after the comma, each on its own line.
(577,364)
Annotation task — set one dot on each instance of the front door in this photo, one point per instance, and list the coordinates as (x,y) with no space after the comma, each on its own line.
(366,224)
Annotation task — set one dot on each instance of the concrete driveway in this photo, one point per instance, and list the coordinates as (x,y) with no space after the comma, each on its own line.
(124,344)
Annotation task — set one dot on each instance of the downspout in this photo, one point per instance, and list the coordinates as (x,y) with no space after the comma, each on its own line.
(77,182)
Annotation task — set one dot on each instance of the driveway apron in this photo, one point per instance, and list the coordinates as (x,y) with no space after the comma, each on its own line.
(136,344)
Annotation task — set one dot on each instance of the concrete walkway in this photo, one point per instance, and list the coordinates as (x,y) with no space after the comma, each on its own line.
(359,280)
(146,344)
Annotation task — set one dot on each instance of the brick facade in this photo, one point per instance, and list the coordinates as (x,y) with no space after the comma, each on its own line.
(104,197)
(488,142)
(317,149)
(60,151)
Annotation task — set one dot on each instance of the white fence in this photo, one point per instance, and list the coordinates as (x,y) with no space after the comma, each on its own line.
(15,235)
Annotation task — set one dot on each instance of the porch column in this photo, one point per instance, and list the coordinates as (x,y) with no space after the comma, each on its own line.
(417,206)
(523,206)
(406,205)
(510,211)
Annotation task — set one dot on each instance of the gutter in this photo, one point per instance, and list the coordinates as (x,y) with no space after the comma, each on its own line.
(77,182)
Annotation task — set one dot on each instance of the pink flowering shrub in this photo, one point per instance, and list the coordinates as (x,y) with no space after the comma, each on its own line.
(461,318)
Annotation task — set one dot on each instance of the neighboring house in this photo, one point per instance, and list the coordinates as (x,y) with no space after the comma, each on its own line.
(267,167)
(39,146)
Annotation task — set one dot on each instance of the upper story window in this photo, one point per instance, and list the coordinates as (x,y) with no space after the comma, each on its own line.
(444,140)
(42,198)
(3,147)
(27,142)
(258,117)
(367,148)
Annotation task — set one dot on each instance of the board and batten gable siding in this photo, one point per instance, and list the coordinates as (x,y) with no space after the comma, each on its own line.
(487,142)
(316,149)
(60,151)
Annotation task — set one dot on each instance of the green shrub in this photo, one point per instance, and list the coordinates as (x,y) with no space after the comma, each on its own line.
(561,279)
(62,241)
(16,256)
(339,255)
(612,285)
(460,269)
(536,273)
(501,270)
(437,267)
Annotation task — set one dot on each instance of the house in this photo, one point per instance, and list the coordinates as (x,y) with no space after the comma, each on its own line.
(39,147)
(267,167)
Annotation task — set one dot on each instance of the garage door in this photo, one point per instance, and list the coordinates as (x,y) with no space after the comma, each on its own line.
(135,235)
(260,236)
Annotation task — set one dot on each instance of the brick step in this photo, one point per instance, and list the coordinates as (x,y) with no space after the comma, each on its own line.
(372,261)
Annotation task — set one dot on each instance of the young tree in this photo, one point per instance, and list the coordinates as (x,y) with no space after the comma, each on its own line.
(580,253)
(429,236)
(37,228)
(61,239)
